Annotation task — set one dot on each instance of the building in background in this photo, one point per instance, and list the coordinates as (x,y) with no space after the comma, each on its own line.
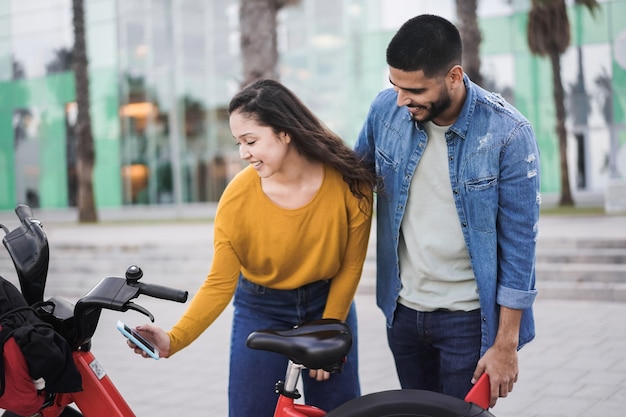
(162,73)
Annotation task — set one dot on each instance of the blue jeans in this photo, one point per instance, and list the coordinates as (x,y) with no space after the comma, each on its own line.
(254,373)
(435,351)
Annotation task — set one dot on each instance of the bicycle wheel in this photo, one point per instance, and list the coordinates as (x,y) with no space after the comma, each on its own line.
(408,403)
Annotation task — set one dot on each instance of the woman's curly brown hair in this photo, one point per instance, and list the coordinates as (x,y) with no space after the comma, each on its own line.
(272,104)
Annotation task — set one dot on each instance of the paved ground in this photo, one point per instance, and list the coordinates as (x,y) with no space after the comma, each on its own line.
(575,367)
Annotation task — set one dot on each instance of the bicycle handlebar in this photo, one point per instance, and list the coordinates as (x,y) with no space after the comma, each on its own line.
(164,293)
(115,293)
(23,212)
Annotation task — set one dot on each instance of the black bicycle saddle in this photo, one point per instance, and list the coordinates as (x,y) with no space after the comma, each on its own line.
(319,344)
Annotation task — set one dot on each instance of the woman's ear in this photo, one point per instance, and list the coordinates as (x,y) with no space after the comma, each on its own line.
(284,136)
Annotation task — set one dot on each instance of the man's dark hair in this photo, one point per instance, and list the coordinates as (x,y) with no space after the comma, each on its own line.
(428,43)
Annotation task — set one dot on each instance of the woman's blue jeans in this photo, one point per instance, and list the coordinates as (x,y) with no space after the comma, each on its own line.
(435,351)
(254,373)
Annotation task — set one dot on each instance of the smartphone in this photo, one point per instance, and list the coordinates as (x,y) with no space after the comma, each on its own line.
(480,394)
(137,339)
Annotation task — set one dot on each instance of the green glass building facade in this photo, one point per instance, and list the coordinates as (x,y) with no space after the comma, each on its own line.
(162,73)
(37,107)
(592,71)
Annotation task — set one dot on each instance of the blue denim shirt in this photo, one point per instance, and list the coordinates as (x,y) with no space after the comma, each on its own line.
(493,161)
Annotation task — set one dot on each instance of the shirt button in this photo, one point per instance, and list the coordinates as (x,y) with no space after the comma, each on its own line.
(464,224)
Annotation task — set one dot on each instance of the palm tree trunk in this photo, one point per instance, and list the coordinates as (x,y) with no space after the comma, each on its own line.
(566,193)
(471,38)
(259,52)
(82,130)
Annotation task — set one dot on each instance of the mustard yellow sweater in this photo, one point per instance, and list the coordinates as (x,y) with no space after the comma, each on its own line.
(280,248)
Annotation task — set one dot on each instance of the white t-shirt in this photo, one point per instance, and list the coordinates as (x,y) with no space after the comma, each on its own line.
(435,268)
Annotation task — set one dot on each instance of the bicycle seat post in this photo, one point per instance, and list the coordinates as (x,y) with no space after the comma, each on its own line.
(291,378)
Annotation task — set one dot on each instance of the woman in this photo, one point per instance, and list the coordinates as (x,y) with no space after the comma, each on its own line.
(291,234)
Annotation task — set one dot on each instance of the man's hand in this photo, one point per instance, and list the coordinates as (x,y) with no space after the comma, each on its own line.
(501,365)
(500,361)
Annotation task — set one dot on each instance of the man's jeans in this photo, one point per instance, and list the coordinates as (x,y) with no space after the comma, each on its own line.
(435,351)
(254,373)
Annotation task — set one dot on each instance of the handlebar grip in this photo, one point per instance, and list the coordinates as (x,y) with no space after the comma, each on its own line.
(23,212)
(164,293)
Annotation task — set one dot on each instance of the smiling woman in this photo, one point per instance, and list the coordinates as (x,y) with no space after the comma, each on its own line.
(291,235)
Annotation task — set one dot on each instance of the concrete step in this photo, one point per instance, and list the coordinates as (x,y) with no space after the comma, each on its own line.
(599,243)
(582,269)
(588,291)
(575,281)
(568,269)
(581,272)
(581,256)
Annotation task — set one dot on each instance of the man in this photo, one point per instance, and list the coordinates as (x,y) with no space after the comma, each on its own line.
(458,206)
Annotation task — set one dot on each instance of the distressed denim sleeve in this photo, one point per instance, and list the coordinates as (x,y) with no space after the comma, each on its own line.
(518,215)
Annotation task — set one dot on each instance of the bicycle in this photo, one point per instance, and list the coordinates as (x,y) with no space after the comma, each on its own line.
(321,344)
(77,322)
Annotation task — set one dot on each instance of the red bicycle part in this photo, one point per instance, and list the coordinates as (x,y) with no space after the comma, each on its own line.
(99,397)
(285,407)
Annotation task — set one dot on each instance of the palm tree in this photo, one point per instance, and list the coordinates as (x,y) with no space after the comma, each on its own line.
(85,148)
(549,35)
(471,38)
(257,25)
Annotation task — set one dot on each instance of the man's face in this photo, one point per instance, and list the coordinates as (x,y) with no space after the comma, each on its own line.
(427,99)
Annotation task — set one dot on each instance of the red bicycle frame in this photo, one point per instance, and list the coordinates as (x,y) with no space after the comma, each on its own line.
(99,397)
(285,407)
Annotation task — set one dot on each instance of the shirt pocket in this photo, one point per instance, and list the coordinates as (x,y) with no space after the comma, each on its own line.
(482,203)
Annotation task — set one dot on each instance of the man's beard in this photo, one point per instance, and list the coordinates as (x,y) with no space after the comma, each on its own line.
(436,108)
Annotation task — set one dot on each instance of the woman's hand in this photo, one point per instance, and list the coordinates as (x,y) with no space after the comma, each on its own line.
(156,336)
(319,374)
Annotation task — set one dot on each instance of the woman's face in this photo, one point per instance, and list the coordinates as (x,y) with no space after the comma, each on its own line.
(259,145)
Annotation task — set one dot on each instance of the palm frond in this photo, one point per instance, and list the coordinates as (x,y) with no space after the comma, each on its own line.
(591,5)
(548,27)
